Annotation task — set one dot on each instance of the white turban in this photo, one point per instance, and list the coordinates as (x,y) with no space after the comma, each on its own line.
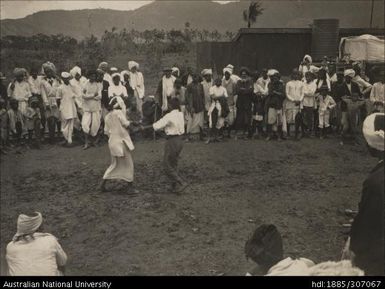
(65,74)
(119,102)
(113,69)
(48,65)
(349,72)
(308,57)
(207,72)
(271,72)
(103,66)
(123,73)
(230,66)
(19,72)
(28,225)
(76,70)
(374,137)
(132,64)
(175,69)
(115,75)
(227,69)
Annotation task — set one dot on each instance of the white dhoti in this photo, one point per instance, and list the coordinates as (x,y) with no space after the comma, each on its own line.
(121,168)
(323,118)
(22,107)
(195,122)
(232,115)
(67,128)
(139,103)
(91,122)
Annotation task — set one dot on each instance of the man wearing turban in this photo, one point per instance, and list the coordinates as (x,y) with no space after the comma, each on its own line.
(137,84)
(165,89)
(49,85)
(207,82)
(367,231)
(32,253)
(307,65)
(229,83)
(103,66)
(19,89)
(175,71)
(78,83)
(66,96)
(351,104)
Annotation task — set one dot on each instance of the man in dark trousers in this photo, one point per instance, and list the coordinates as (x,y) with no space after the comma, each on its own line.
(367,232)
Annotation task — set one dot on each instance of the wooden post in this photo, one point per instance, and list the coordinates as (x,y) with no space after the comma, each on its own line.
(371,15)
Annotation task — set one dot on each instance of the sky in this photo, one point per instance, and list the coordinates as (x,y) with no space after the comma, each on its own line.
(13,9)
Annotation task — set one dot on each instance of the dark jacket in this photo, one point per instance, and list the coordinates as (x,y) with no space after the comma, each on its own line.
(367,232)
(341,90)
(195,97)
(105,99)
(244,90)
(276,95)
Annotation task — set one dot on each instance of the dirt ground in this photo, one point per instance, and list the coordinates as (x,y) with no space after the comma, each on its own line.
(301,187)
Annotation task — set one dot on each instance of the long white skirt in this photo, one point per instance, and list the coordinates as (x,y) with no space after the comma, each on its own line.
(121,168)
(67,128)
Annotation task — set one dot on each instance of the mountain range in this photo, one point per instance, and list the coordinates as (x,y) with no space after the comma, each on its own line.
(200,14)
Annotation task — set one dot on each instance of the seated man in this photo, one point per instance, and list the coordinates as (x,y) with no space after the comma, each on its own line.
(32,253)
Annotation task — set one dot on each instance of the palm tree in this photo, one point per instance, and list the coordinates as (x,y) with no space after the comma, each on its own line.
(250,15)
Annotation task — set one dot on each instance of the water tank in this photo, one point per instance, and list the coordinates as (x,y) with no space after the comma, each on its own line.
(325,36)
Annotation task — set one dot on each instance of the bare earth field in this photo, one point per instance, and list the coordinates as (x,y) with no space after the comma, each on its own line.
(301,187)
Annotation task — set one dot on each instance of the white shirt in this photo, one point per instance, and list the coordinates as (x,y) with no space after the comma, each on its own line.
(260,88)
(377,92)
(325,103)
(115,126)
(78,86)
(48,91)
(91,103)
(168,85)
(309,90)
(117,90)
(67,104)
(35,84)
(172,123)
(21,92)
(40,256)
(263,82)
(218,91)
(137,83)
(294,92)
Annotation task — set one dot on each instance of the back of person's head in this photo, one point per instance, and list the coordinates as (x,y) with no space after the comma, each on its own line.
(309,76)
(174,103)
(27,225)
(265,247)
(373,130)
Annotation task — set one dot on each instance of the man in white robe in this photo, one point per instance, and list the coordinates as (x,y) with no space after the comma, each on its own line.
(137,84)
(66,95)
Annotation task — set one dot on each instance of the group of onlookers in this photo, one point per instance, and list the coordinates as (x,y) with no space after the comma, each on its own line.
(315,101)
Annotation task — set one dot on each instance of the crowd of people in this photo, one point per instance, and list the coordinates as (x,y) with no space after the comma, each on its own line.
(316,101)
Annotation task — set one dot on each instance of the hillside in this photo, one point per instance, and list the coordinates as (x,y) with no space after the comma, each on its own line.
(201,15)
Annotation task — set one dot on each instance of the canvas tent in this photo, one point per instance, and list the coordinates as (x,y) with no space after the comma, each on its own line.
(362,48)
